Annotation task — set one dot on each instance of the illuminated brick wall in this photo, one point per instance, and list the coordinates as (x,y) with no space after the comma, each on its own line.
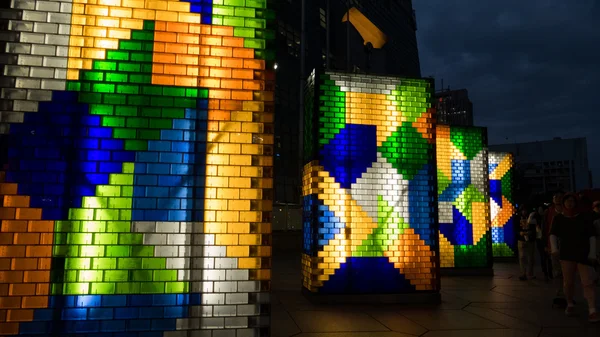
(463,197)
(368,187)
(136,167)
(504,235)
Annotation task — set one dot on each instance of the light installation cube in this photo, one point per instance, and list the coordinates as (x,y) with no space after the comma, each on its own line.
(463,197)
(504,234)
(136,167)
(369,185)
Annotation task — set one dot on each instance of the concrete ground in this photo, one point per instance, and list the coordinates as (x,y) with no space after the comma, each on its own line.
(498,306)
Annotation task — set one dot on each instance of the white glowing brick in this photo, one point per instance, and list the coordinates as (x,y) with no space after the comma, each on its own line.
(64,29)
(51,28)
(59,18)
(39,95)
(177,263)
(25,106)
(224,310)
(237,275)
(55,62)
(214,275)
(226,263)
(55,39)
(53,84)
(167,227)
(12,93)
(38,16)
(155,239)
(226,287)
(32,38)
(49,6)
(144,226)
(38,72)
(23,4)
(236,322)
(19,71)
(20,26)
(213,299)
(212,322)
(29,83)
(166,251)
(11,117)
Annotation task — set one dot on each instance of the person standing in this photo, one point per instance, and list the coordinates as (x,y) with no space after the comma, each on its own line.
(540,242)
(526,245)
(596,219)
(555,208)
(577,238)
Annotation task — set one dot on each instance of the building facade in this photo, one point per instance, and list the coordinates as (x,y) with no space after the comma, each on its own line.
(546,166)
(399,56)
(454,107)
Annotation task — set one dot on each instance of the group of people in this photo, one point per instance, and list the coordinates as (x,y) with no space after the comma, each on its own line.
(567,237)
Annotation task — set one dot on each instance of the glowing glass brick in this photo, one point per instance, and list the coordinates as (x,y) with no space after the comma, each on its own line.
(504,234)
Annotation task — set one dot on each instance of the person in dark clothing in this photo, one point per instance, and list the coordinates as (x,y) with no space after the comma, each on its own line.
(577,238)
(526,245)
(540,242)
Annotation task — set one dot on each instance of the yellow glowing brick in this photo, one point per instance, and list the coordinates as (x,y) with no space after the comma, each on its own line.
(133,3)
(239,182)
(217,181)
(229,171)
(188,17)
(213,227)
(230,149)
(93,31)
(157,4)
(251,171)
(238,205)
(226,239)
(230,126)
(108,2)
(250,216)
(132,23)
(251,239)
(167,16)
(178,6)
(217,159)
(106,43)
(93,53)
(250,194)
(229,193)
(96,10)
(120,12)
(228,216)
(212,204)
(108,22)
(238,251)
(247,263)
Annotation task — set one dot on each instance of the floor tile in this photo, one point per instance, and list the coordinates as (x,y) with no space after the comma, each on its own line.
(325,321)
(398,323)
(503,319)
(482,333)
(282,324)
(449,320)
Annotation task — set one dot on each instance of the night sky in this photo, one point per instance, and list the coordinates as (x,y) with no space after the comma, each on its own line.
(532,67)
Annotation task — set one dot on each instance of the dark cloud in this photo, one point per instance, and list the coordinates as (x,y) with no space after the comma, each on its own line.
(532,67)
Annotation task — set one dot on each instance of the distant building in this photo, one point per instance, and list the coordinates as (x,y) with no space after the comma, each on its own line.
(547,166)
(399,56)
(454,107)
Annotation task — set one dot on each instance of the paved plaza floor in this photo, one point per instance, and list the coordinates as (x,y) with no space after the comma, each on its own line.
(498,306)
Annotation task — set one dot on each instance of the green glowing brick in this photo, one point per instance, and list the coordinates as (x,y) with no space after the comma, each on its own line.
(172,113)
(76,289)
(443,182)
(128,89)
(131,239)
(472,255)
(90,97)
(140,78)
(97,76)
(115,99)
(174,91)
(152,288)
(254,43)
(120,179)
(116,275)
(105,239)
(176,287)
(71,275)
(116,77)
(243,32)
(154,263)
(149,135)
(104,263)
(130,45)
(223,10)
(506,182)
(255,23)
(113,122)
(124,133)
(123,110)
(161,123)
(128,288)
(118,226)
(142,35)
(106,214)
(217,20)
(136,145)
(118,251)
(94,202)
(93,226)
(89,276)
(92,251)
(164,101)
(245,12)
(108,191)
(129,263)
(104,65)
(165,275)
(121,203)
(77,263)
(137,122)
(67,226)
(185,103)
(152,90)
(64,250)
(142,251)
(142,275)
(234,3)
(81,214)
(117,55)
(202,93)
(102,288)
(127,191)
(129,67)
(256,3)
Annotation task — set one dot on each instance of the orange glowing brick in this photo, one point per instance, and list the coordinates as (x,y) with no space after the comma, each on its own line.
(222,30)
(38,251)
(12,251)
(210,61)
(24,263)
(233,42)
(175,69)
(44,263)
(16,201)
(164,58)
(242,95)
(231,84)
(7,213)
(188,38)
(163,79)
(230,104)
(42,288)
(23,315)
(21,289)
(28,214)
(219,94)
(10,302)
(186,81)
(6,238)
(46,238)
(9,328)
(27,238)
(40,226)
(208,40)
(31,302)
(38,276)
(245,53)
(11,276)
